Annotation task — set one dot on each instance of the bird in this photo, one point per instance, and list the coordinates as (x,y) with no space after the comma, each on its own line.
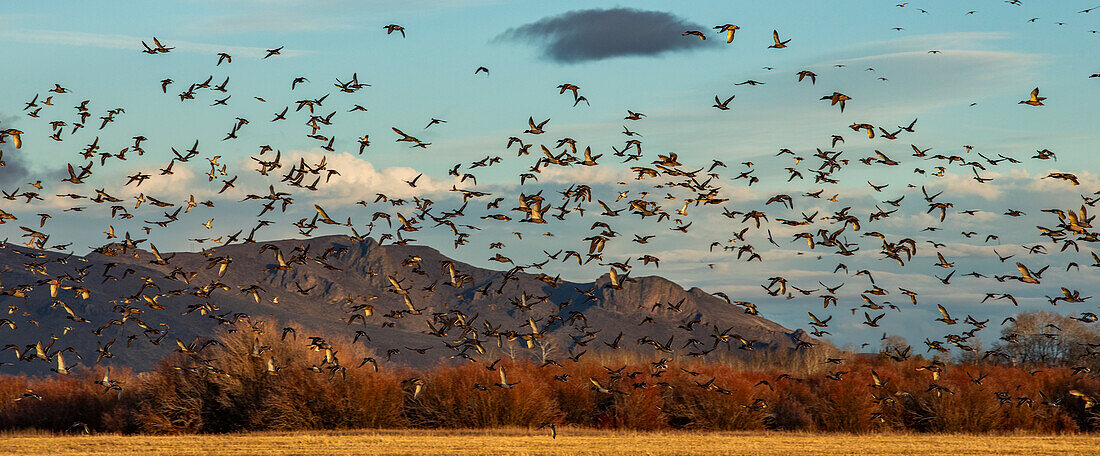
(1034,99)
(695,33)
(271,52)
(837,98)
(61,368)
(553,428)
(872,322)
(944,316)
(1026,276)
(417,386)
(16,137)
(504,379)
(729,30)
(536,129)
(158,49)
(723,105)
(778,44)
(807,74)
(362,266)
(599,387)
(395,28)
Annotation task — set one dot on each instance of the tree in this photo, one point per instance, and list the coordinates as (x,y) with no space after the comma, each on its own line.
(1049,338)
(546,350)
(891,343)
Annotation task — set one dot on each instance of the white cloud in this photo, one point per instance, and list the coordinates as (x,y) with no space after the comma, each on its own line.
(960,184)
(320,15)
(359,179)
(926,42)
(589,175)
(1088,180)
(272,21)
(114,41)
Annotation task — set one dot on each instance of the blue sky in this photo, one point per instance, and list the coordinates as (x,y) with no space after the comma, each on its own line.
(991,59)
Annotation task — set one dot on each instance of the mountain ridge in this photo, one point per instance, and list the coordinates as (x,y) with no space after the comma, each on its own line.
(148,300)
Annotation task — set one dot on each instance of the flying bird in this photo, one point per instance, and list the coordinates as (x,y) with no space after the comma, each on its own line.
(1034,99)
(729,30)
(778,44)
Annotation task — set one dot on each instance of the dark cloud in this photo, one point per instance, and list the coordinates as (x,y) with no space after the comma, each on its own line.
(15,168)
(596,34)
(18,167)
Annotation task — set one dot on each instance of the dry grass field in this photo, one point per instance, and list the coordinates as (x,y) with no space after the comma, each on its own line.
(530,442)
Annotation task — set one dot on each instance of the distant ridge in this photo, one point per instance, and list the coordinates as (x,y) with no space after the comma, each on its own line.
(149,303)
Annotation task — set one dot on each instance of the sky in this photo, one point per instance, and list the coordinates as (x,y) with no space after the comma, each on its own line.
(623,56)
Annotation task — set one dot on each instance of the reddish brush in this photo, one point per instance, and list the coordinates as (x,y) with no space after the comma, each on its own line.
(261,382)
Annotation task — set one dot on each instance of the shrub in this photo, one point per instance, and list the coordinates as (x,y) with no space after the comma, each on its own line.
(229,387)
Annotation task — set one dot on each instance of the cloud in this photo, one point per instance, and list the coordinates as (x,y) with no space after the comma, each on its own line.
(961,184)
(178,186)
(359,179)
(929,81)
(596,34)
(17,168)
(591,175)
(288,16)
(14,169)
(112,41)
(272,21)
(918,85)
(1046,184)
(936,41)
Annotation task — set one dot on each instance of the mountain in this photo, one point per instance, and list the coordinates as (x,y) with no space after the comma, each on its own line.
(144,301)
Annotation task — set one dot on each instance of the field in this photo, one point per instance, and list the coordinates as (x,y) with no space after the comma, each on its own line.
(531,442)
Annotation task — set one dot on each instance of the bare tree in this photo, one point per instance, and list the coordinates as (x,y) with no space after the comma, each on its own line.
(1049,338)
(894,342)
(546,350)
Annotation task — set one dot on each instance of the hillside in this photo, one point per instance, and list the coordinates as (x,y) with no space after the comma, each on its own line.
(144,304)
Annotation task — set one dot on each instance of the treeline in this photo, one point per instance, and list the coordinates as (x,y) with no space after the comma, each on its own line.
(261,382)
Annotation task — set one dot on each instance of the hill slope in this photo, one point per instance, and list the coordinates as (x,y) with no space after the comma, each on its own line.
(145,304)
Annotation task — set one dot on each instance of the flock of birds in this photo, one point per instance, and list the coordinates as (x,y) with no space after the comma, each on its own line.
(665,190)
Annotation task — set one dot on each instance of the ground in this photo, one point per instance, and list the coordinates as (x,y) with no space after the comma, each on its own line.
(532,442)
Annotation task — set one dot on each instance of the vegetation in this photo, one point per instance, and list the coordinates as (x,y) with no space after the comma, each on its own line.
(252,381)
(569,443)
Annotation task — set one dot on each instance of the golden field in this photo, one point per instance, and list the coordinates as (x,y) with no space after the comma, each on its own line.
(532,442)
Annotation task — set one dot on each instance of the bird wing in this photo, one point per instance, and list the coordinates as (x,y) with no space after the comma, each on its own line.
(604,206)
(814,317)
(1023,270)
